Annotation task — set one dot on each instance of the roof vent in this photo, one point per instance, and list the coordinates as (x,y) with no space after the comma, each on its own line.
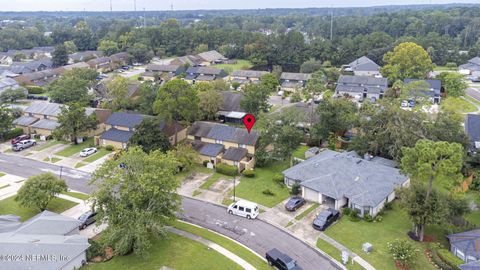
(359,161)
(316,164)
(357,178)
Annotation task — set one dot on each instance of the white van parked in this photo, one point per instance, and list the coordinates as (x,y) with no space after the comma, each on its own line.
(244,209)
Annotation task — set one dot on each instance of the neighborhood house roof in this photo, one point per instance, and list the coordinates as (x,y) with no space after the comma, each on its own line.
(162,68)
(475,265)
(222,132)
(46,124)
(364,64)
(124,119)
(358,84)
(472,128)
(467,242)
(25,121)
(117,135)
(339,175)
(294,76)
(6,83)
(50,109)
(205,78)
(211,149)
(46,222)
(211,56)
(235,154)
(204,70)
(231,102)
(248,73)
(434,86)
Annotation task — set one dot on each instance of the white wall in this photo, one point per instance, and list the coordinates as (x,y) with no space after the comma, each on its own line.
(75,263)
(340,203)
(366,73)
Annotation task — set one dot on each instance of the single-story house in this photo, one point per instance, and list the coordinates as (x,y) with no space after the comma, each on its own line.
(230,110)
(121,59)
(433,93)
(293,81)
(472,129)
(190,60)
(205,74)
(76,65)
(8,83)
(211,57)
(45,241)
(102,96)
(346,180)
(32,66)
(472,67)
(6,59)
(364,66)
(361,87)
(465,245)
(84,56)
(102,64)
(121,126)
(39,78)
(165,72)
(246,76)
(219,143)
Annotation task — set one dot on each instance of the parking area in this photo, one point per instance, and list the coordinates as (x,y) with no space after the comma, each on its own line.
(280,216)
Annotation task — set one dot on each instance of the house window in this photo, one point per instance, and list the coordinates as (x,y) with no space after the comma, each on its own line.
(197,138)
(219,141)
(242,146)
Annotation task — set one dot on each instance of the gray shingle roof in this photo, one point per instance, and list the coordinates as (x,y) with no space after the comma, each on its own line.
(295,76)
(223,133)
(472,127)
(50,109)
(204,70)
(231,102)
(117,135)
(235,154)
(46,124)
(211,56)
(205,78)
(467,242)
(248,73)
(358,84)
(162,68)
(341,175)
(434,86)
(124,119)
(211,149)
(475,265)
(46,222)
(364,64)
(25,121)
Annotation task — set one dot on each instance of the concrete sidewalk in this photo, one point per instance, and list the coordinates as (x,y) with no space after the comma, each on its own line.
(11,184)
(212,245)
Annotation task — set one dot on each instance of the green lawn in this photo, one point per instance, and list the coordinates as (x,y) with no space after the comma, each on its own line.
(48,144)
(300,151)
(175,252)
(457,105)
(395,225)
(226,243)
(251,188)
(52,160)
(212,179)
(101,153)
(336,254)
(241,64)
(77,195)
(79,165)
(307,211)
(2,174)
(469,98)
(444,68)
(10,206)
(75,149)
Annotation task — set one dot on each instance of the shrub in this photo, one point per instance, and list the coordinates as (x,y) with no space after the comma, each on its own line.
(388,206)
(403,252)
(346,211)
(451,65)
(368,218)
(35,90)
(226,169)
(109,147)
(205,162)
(140,78)
(268,192)
(447,257)
(96,249)
(13,133)
(296,189)
(378,218)
(278,178)
(438,261)
(248,173)
(353,216)
(296,97)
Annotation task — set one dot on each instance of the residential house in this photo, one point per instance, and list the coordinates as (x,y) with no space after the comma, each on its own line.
(36,53)
(76,65)
(165,72)
(204,74)
(211,57)
(121,126)
(39,78)
(102,64)
(102,94)
(8,83)
(40,118)
(190,60)
(219,143)
(45,241)
(230,110)
(32,66)
(364,66)
(6,59)
(465,245)
(292,82)
(361,87)
(432,92)
(246,76)
(346,180)
(84,56)
(472,67)
(472,129)
(121,59)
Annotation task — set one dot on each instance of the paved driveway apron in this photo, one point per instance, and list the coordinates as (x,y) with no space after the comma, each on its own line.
(255,234)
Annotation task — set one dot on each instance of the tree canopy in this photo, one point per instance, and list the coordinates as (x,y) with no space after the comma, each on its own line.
(150,136)
(407,60)
(73,120)
(38,191)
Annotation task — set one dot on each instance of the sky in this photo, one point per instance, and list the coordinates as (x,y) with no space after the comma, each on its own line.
(122,5)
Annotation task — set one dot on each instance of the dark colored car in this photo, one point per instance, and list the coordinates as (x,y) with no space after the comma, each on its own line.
(20,138)
(87,219)
(294,203)
(325,219)
(281,261)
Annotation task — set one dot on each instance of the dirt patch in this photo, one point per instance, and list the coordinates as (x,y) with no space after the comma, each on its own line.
(221,185)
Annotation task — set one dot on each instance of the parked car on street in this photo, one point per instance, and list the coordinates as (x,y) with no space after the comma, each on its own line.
(88,151)
(281,261)
(23,145)
(243,208)
(325,219)
(20,138)
(294,203)
(87,219)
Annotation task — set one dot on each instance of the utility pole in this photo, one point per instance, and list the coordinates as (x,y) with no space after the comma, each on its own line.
(331,25)
(144,19)
(171,6)
(135,5)
(111,8)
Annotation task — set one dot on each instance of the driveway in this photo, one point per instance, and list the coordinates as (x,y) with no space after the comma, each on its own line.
(473,92)
(256,234)
(282,217)
(132,72)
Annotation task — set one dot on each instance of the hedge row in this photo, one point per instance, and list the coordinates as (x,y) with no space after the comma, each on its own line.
(35,90)
(248,173)
(447,257)
(226,169)
(438,261)
(13,133)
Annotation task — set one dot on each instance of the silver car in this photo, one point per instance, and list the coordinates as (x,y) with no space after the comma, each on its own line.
(88,151)
(23,145)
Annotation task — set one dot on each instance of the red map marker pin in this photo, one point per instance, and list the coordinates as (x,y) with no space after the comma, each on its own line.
(249,121)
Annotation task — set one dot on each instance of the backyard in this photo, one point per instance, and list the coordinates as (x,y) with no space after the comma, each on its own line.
(241,64)
(10,206)
(300,152)
(457,105)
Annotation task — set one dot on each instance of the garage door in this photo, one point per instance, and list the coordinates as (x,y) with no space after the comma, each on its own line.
(310,195)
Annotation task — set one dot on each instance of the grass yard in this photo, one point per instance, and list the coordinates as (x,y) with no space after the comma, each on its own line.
(52,160)
(307,211)
(199,168)
(196,193)
(336,254)
(226,243)
(48,145)
(212,179)
(8,151)
(227,201)
(100,153)
(444,68)
(394,225)
(2,174)
(77,195)
(175,252)
(75,149)
(300,151)
(469,98)
(241,64)
(457,105)
(79,165)
(252,188)
(10,206)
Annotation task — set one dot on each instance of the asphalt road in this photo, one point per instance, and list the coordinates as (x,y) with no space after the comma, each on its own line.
(255,234)
(24,167)
(474,93)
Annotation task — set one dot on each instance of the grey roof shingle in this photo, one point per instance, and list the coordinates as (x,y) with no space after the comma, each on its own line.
(117,135)
(467,242)
(223,133)
(25,121)
(211,149)
(204,70)
(295,76)
(472,127)
(124,119)
(46,222)
(358,84)
(211,56)
(235,154)
(475,265)
(341,175)
(46,124)
(433,85)
(162,68)
(248,73)
(205,78)
(364,64)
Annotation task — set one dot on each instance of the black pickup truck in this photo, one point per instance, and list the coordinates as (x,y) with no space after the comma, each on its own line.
(281,261)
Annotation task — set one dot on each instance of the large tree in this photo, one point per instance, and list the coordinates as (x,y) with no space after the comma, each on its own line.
(141,53)
(430,162)
(407,60)
(109,47)
(118,93)
(148,95)
(255,99)
(453,83)
(209,103)
(336,117)
(73,120)
(69,89)
(38,191)
(6,119)
(137,199)
(176,101)
(149,135)
(60,56)
(12,95)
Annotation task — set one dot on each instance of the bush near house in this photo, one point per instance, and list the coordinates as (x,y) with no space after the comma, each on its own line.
(248,173)
(35,90)
(447,257)
(109,147)
(226,169)
(13,133)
